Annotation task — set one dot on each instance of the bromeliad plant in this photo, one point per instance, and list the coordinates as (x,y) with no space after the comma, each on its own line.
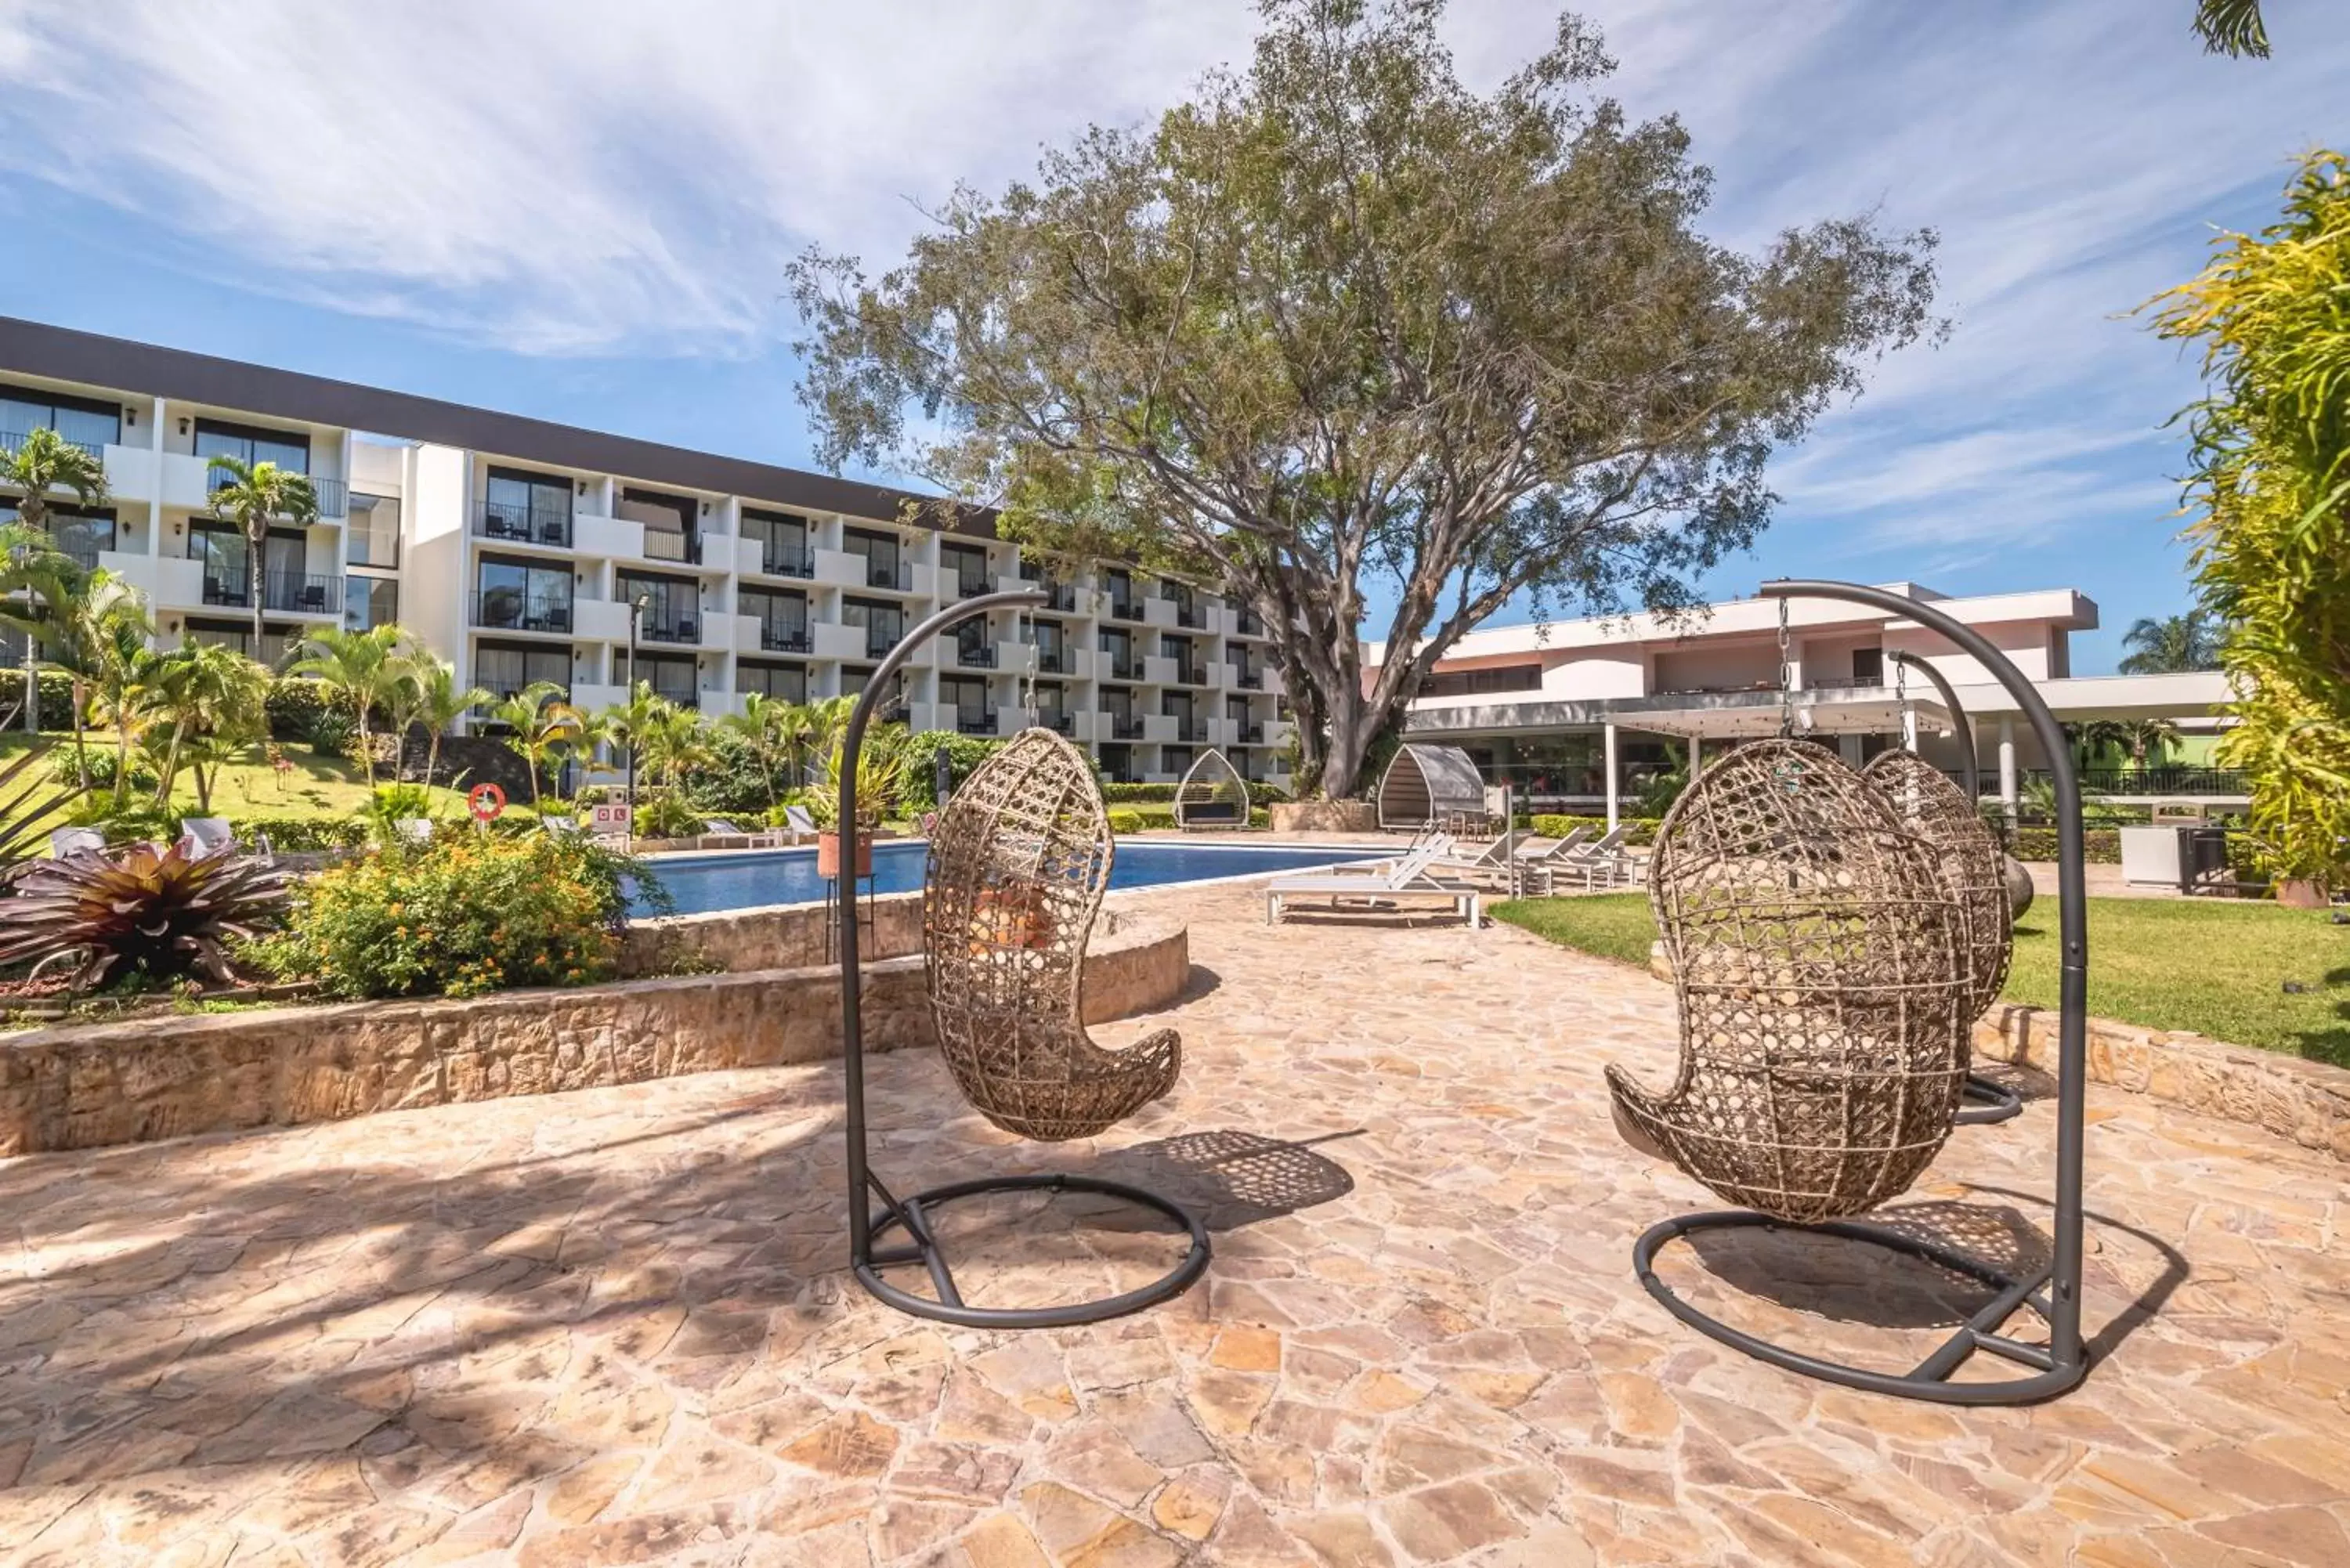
(163,913)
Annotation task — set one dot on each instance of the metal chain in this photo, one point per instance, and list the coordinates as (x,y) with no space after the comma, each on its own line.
(1901,703)
(1786,680)
(1028,687)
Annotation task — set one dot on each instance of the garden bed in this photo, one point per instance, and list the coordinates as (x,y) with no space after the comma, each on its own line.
(82,1087)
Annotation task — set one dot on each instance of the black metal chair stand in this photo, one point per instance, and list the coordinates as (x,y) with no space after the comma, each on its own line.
(2055,1291)
(914,1214)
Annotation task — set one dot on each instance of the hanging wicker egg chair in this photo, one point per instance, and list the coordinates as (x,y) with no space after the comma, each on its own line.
(1936,810)
(1822,978)
(1018,862)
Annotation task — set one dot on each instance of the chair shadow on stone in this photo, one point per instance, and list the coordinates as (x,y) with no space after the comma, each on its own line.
(1231,1179)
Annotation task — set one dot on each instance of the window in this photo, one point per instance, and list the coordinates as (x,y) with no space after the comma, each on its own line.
(781,618)
(250,444)
(670,675)
(506,668)
(80,532)
(227,558)
(370,602)
(523,594)
(884,567)
(782,539)
(1471,682)
(278,643)
(1869,667)
(969,568)
(532,507)
(668,522)
(783,682)
(86,422)
(672,610)
(374,530)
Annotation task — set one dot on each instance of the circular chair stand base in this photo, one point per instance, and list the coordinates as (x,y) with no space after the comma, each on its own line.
(1930,1380)
(913,1216)
(1988,1100)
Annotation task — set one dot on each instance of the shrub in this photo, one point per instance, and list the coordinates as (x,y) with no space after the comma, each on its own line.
(139,822)
(465,914)
(295,705)
(333,734)
(156,913)
(661,813)
(393,804)
(917,789)
(1131,793)
(302,834)
(1123,821)
(730,782)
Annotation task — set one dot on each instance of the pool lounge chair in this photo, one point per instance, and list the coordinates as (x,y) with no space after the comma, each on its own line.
(206,835)
(1408,877)
(718,827)
(798,822)
(67,841)
(1602,863)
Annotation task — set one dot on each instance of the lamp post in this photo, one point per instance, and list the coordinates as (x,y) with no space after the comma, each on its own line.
(636,610)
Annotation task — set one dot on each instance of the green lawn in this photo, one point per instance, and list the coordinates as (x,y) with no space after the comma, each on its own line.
(2217,968)
(314,786)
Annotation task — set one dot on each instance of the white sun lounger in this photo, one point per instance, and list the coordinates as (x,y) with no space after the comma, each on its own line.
(1406,878)
(719,827)
(1601,863)
(798,822)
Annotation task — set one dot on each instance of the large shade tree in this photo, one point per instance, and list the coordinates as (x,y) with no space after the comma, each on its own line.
(1341,332)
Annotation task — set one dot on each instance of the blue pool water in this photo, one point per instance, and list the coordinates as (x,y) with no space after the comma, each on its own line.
(788,875)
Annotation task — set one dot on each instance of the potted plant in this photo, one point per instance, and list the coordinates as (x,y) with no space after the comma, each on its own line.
(880,770)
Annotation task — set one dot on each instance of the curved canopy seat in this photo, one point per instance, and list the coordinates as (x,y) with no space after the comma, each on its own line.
(1212,794)
(1929,805)
(1018,862)
(1427,786)
(1819,966)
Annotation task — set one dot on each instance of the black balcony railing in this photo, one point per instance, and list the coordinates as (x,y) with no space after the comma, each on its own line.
(1248,680)
(1189,614)
(898,575)
(1190,732)
(1125,609)
(504,609)
(13,441)
(786,561)
(680,696)
(511,524)
(671,544)
(1057,721)
(333,496)
(976,655)
(1124,668)
(291,592)
(1248,623)
(82,553)
(1125,727)
(2155,781)
(1053,661)
(1252,734)
(879,641)
(783,636)
(975,720)
(1191,674)
(971,588)
(669,628)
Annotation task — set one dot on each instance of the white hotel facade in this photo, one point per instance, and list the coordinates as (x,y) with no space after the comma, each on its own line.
(520,550)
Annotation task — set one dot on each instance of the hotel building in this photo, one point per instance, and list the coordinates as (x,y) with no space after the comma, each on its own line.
(521,550)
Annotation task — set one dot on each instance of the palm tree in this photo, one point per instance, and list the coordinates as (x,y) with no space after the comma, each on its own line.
(257,494)
(126,682)
(2232,27)
(629,724)
(761,724)
(539,724)
(362,665)
(2171,645)
(673,741)
(438,704)
(97,629)
(216,700)
(44,463)
(2136,736)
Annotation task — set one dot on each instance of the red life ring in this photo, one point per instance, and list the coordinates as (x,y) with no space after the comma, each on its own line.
(485,801)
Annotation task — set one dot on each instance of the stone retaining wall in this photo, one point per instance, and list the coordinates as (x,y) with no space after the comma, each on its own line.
(1324,816)
(87,1086)
(774,936)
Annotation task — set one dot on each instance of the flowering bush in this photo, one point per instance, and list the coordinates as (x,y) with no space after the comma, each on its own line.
(465,914)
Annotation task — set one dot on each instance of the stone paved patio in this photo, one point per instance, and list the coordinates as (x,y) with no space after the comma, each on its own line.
(610,1326)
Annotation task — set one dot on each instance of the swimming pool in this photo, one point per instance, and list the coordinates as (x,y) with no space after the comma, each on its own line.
(743,881)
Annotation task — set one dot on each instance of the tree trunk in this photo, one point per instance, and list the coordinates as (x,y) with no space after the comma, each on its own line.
(257,542)
(367,747)
(204,789)
(81,754)
(121,755)
(171,765)
(432,755)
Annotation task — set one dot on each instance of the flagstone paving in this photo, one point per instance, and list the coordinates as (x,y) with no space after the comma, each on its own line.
(613,1326)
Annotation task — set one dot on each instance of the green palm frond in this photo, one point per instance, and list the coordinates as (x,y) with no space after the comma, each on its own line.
(2232,27)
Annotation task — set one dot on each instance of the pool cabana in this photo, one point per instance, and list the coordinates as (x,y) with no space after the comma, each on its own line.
(1427,786)
(1212,794)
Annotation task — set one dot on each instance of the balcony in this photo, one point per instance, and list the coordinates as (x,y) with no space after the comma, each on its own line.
(1121,667)
(786,561)
(1190,732)
(1125,608)
(1191,674)
(1250,736)
(975,720)
(1125,727)
(291,593)
(1059,597)
(13,441)
(783,637)
(1247,623)
(896,575)
(333,496)
(1054,661)
(685,629)
(511,524)
(2152,781)
(976,655)
(963,588)
(879,641)
(1248,680)
(504,610)
(1059,722)
(1188,613)
(672,544)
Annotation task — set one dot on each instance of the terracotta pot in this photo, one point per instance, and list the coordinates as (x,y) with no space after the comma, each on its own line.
(2300,893)
(827,856)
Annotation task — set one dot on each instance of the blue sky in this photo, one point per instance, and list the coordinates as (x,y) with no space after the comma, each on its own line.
(582,210)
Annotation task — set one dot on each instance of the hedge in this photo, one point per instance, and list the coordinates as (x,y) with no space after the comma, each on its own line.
(2099,845)
(1636,830)
(299,835)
